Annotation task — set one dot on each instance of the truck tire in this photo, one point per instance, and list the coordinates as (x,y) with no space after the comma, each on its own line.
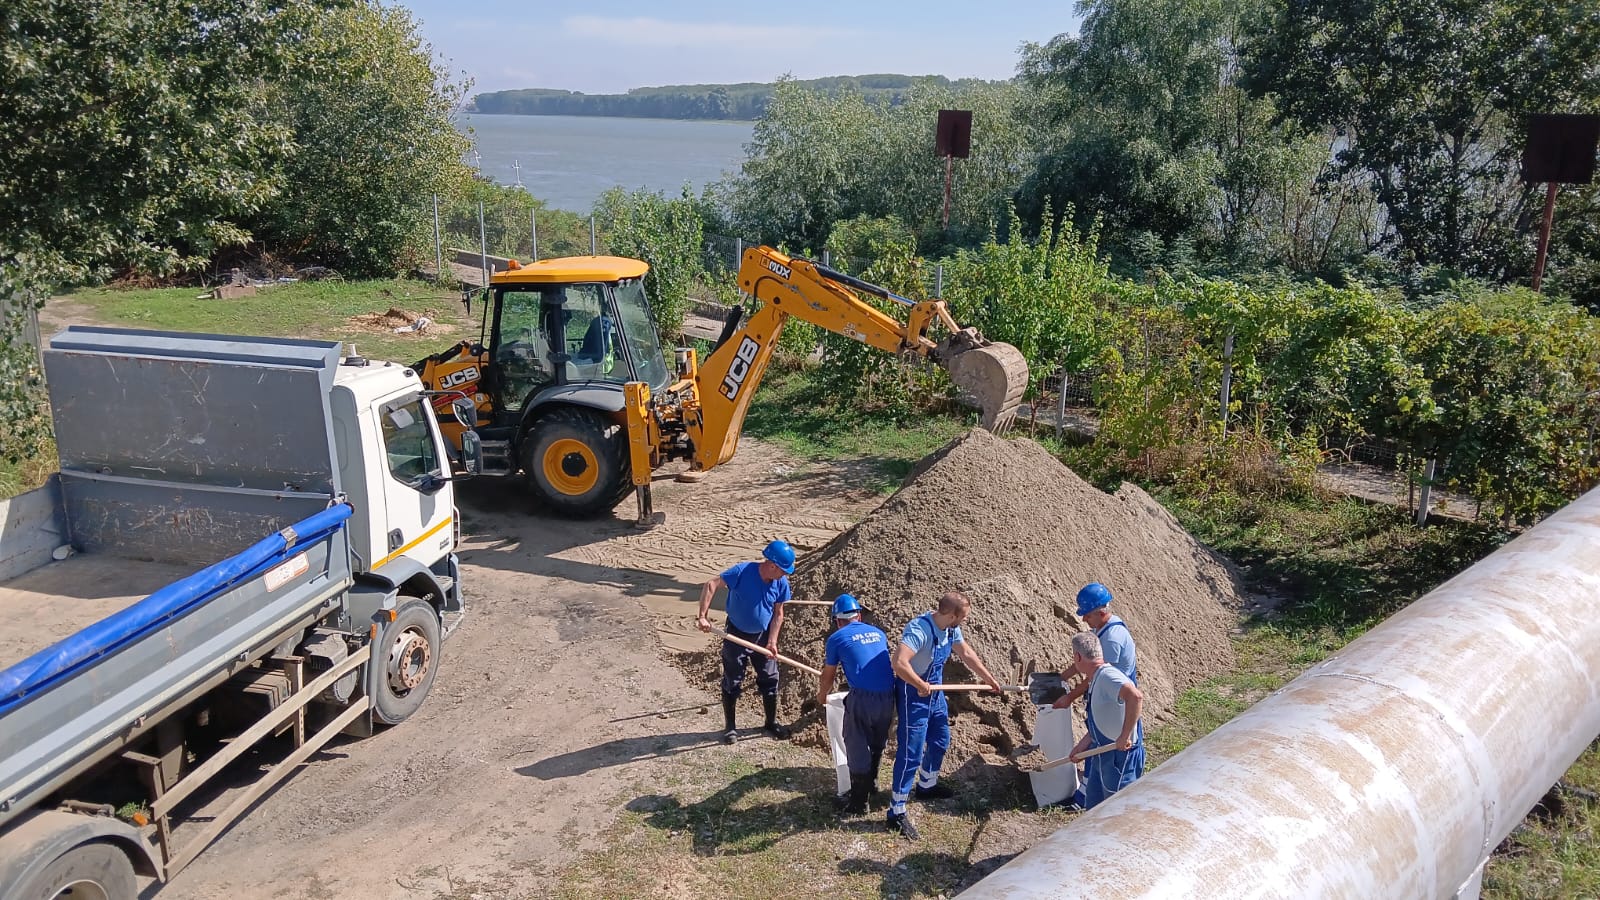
(571,464)
(410,659)
(95,871)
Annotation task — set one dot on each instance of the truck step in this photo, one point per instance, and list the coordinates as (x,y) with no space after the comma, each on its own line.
(450,621)
(446,583)
(497,458)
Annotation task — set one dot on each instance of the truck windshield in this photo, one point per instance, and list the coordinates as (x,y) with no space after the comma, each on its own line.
(640,330)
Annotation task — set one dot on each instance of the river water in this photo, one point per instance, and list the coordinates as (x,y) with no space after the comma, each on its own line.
(569,161)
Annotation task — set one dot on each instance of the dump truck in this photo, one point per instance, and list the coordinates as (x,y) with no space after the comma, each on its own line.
(572,389)
(248,538)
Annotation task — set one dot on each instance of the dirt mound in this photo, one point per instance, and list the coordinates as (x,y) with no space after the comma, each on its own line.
(398,321)
(1021,533)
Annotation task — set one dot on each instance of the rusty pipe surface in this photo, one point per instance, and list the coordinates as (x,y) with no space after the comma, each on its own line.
(1391,769)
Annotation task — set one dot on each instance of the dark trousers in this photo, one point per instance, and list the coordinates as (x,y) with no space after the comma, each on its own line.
(867,717)
(734,658)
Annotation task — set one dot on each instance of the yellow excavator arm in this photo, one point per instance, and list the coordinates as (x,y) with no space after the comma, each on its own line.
(993,375)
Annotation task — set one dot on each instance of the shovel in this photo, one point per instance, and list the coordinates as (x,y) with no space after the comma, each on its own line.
(765,652)
(1068,758)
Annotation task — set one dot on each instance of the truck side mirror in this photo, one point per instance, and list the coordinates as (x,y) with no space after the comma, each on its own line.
(465,411)
(471,452)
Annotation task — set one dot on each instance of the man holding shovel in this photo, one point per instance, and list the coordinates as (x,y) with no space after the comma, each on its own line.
(863,652)
(1116,641)
(756,594)
(923,734)
(1113,718)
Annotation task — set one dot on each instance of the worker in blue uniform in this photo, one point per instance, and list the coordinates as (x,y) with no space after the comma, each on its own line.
(756,594)
(862,651)
(923,733)
(1116,642)
(1115,704)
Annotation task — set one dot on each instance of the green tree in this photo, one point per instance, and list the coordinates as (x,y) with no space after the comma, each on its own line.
(134,137)
(1156,138)
(1429,97)
(666,233)
(816,160)
(373,139)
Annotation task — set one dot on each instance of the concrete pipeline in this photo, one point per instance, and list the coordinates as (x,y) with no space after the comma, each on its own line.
(1391,769)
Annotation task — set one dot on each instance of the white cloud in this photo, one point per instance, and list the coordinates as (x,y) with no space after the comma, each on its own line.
(647,32)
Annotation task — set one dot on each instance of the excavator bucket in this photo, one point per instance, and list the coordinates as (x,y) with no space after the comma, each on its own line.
(994,376)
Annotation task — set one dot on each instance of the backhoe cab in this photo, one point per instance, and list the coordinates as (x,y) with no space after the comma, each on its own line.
(572,388)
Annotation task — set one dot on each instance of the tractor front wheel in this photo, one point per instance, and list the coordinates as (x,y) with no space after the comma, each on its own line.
(576,462)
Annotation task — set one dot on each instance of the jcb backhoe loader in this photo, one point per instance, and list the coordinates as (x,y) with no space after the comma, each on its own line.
(573,391)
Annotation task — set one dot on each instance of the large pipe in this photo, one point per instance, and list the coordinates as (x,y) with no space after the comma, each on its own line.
(1392,769)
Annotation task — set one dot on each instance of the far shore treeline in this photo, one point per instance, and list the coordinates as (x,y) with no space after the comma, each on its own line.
(746,101)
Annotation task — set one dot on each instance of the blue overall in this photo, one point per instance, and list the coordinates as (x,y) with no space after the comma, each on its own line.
(923,733)
(1124,658)
(1108,773)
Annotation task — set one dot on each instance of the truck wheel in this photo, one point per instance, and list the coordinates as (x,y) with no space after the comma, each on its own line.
(574,468)
(96,871)
(410,658)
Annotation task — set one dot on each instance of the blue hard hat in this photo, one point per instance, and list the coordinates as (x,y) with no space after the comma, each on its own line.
(780,554)
(1092,597)
(845,606)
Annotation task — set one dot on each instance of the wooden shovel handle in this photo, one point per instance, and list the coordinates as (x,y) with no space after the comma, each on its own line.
(975,687)
(765,652)
(1068,758)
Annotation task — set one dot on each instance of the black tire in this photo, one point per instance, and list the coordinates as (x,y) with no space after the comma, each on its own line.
(407,661)
(95,871)
(588,483)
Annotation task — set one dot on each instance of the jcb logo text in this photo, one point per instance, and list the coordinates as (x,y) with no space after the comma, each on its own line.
(740,368)
(470,373)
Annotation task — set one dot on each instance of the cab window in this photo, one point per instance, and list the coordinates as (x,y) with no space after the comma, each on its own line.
(408,442)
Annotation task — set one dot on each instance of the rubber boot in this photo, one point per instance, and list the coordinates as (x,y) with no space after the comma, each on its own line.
(770,703)
(860,785)
(730,734)
(901,822)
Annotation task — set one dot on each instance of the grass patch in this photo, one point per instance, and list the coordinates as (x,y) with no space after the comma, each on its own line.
(794,412)
(322,310)
(761,820)
(1554,852)
(27,473)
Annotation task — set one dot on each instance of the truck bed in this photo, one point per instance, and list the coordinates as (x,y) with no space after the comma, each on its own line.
(58,599)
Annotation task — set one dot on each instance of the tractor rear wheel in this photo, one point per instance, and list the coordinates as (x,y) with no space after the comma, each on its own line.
(576,461)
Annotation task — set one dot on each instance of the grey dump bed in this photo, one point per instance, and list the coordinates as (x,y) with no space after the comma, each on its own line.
(182,457)
(54,601)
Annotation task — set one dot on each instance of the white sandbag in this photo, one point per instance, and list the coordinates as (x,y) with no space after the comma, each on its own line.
(1053,733)
(841,762)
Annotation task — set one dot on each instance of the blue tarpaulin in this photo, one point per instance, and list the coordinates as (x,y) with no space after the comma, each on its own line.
(72,654)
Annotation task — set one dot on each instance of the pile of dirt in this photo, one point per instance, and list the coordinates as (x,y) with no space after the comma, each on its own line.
(1019,532)
(398,321)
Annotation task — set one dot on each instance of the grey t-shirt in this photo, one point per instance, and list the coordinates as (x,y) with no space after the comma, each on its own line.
(1106,708)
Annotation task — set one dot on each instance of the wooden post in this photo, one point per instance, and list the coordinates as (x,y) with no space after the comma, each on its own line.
(1227,379)
(1427,491)
(1544,234)
(949,165)
(438,247)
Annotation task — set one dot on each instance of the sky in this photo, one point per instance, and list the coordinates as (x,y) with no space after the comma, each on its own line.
(609,47)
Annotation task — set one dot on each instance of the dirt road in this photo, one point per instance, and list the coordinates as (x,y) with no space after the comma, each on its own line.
(545,705)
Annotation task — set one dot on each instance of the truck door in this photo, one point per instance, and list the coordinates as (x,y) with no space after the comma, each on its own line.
(418,513)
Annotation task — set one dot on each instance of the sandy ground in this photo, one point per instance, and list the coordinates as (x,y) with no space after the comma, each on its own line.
(548,703)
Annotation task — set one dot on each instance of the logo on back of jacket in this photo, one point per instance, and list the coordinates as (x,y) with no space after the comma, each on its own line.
(739,369)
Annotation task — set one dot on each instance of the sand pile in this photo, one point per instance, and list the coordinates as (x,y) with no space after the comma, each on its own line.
(1021,533)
